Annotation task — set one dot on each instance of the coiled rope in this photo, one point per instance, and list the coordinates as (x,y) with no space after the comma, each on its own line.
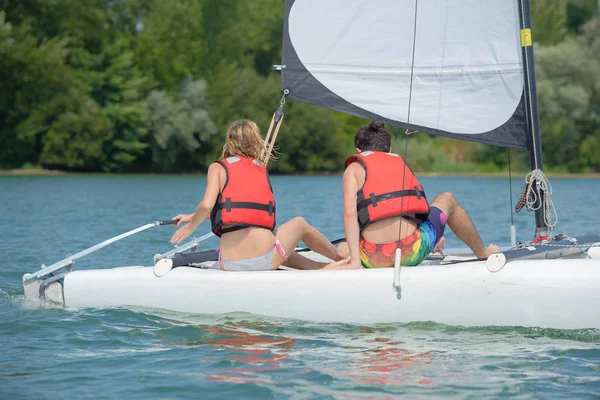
(532,198)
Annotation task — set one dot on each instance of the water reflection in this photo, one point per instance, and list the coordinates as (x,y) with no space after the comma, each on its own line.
(252,352)
(386,362)
(363,357)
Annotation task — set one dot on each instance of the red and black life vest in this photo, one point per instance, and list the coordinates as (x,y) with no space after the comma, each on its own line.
(382,194)
(246,199)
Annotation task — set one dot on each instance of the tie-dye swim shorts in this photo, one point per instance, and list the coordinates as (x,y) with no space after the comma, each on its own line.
(415,247)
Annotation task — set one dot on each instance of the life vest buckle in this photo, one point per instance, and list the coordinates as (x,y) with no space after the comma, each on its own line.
(418,192)
(271,208)
(227,205)
(373,199)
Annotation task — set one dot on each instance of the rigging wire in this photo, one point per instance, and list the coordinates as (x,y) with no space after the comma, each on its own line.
(533,123)
(407,133)
(512,221)
(528,82)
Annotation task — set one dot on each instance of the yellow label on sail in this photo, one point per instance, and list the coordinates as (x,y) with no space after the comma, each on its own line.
(526,37)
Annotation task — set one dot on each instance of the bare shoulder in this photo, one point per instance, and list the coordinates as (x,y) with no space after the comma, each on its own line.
(217,172)
(353,169)
(356,171)
(351,177)
(216,168)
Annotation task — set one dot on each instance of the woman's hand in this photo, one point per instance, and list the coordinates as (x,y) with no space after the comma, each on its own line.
(182,233)
(439,247)
(182,218)
(342,264)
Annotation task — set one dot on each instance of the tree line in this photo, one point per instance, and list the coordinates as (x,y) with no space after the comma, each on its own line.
(151,85)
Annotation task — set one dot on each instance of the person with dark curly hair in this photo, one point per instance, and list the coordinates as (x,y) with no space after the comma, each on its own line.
(385,207)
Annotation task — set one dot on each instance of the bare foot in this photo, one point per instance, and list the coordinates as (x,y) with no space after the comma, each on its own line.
(343,264)
(491,249)
(343,250)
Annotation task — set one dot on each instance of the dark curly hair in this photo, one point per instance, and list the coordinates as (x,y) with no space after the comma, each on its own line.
(373,137)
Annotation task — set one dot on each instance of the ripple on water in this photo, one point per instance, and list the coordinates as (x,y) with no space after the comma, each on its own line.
(120,353)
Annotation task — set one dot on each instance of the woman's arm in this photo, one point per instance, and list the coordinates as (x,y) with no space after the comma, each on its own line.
(213,188)
(215,178)
(184,218)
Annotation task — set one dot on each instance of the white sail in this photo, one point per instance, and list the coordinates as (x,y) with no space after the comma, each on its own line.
(450,67)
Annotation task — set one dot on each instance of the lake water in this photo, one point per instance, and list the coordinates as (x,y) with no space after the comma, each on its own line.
(119,353)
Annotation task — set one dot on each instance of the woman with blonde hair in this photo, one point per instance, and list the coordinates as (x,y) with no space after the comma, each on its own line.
(239,199)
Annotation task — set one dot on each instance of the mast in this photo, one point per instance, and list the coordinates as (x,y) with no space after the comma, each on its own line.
(531,106)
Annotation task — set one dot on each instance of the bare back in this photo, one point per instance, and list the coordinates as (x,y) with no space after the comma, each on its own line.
(244,243)
(384,231)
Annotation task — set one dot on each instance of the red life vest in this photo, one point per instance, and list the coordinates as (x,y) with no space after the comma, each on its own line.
(382,194)
(246,199)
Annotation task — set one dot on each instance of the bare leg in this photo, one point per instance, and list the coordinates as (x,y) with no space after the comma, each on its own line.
(297,229)
(344,250)
(298,261)
(462,226)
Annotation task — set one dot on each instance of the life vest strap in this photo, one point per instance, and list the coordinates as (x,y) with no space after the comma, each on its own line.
(373,199)
(234,228)
(227,205)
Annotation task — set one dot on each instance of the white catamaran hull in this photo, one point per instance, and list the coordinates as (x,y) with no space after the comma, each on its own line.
(561,294)
(435,72)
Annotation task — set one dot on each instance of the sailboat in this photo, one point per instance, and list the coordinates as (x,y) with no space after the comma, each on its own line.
(460,69)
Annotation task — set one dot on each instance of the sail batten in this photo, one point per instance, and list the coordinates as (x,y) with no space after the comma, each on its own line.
(466,81)
(419,71)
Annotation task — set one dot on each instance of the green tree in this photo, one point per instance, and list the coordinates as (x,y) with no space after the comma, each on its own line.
(169,41)
(34,77)
(75,140)
(246,34)
(121,90)
(590,123)
(311,140)
(76,78)
(549,18)
(180,127)
(579,12)
(567,78)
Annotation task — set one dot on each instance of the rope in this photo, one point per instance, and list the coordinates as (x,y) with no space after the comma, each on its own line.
(583,248)
(532,198)
(527,244)
(270,141)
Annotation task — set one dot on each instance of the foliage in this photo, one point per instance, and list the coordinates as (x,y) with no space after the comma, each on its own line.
(76,139)
(579,12)
(121,89)
(179,126)
(568,81)
(549,20)
(34,77)
(152,85)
